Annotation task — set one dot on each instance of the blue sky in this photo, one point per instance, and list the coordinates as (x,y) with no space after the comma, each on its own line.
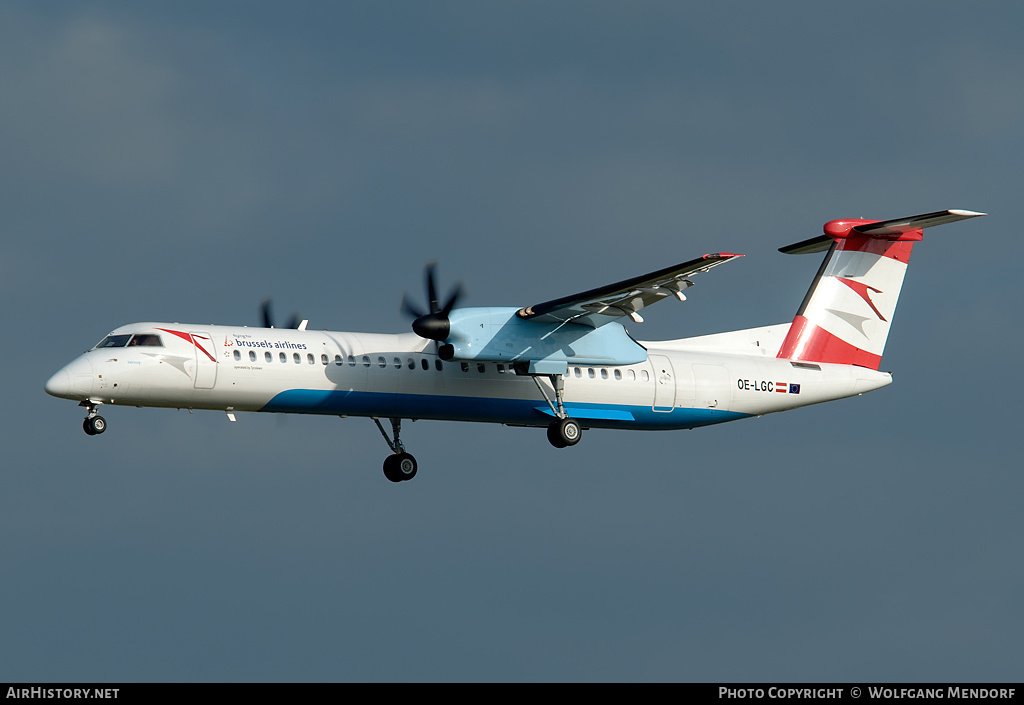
(183,161)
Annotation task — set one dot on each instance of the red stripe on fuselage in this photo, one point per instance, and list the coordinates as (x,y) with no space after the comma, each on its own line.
(190,338)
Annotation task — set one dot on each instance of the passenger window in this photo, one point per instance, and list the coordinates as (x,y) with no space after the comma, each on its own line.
(411,363)
(437,365)
(381,362)
(618,374)
(337,360)
(632,375)
(366,360)
(238,355)
(252,356)
(425,364)
(480,367)
(578,372)
(351,360)
(590,373)
(323,360)
(268,357)
(604,373)
(282,357)
(296,358)
(397,363)
(644,377)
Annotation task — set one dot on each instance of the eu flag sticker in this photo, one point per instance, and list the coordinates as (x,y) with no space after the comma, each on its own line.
(794,388)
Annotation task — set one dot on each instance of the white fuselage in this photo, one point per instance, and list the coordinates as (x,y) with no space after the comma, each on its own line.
(682,384)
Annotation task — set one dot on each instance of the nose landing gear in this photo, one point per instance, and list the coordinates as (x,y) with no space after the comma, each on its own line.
(94,424)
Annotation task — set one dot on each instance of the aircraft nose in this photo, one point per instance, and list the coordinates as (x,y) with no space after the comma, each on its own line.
(73,381)
(59,385)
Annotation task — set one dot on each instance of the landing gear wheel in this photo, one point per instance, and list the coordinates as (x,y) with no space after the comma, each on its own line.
(564,432)
(400,467)
(94,425)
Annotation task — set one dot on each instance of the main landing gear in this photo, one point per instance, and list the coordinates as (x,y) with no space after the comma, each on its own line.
(398,466)
(94,424)
(563,431)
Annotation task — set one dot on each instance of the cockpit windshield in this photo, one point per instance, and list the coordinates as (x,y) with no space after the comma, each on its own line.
(120,341)
(114,341)
(147,339)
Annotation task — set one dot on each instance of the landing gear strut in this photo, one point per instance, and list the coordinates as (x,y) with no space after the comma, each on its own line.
(563,431)
(94,424)
(398,466)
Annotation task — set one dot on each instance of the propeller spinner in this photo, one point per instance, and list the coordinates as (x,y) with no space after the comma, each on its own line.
(432,324)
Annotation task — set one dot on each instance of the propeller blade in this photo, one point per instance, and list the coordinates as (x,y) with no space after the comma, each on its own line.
(432,324)
(452,300)
(410,309)
(268,318)
(431,289)
(265,313)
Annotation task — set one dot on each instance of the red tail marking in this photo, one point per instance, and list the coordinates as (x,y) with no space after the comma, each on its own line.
(811,343)
(861,289)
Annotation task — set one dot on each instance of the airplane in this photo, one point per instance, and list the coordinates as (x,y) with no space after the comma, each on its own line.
(566,365)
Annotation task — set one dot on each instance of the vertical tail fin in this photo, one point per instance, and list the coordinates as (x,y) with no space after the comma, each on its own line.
(846,314)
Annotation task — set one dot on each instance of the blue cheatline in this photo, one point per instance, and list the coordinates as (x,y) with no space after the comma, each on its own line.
(488,409)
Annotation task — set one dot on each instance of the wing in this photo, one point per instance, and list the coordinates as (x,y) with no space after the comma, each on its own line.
(607,303)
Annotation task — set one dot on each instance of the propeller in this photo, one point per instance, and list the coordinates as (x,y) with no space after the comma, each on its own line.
(432,324)
(268,319)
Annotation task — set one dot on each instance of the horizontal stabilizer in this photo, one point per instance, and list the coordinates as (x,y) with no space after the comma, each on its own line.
(897,229)
(889,228)
(809,246)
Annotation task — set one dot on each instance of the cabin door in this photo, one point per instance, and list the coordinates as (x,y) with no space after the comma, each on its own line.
(664,383)
(206,360)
